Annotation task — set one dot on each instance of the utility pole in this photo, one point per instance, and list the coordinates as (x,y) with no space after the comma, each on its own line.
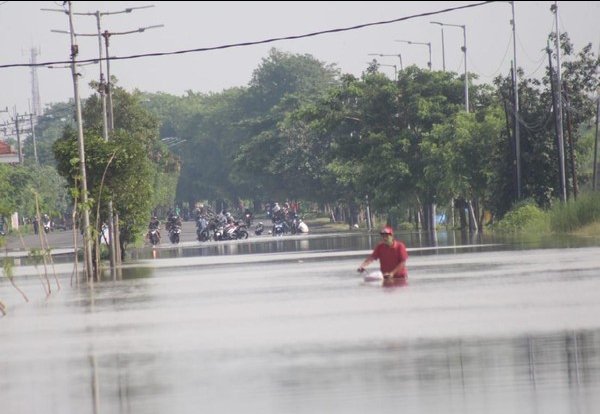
(555,105)
(559,115)
(516,103)
(104,89)
(104,85)
(596,144)
(81,147)
(107,105)
(35,155)
(19,130)
(19,149)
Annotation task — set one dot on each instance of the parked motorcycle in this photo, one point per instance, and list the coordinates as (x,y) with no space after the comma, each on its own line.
(202,229)
(218,233)
(259,229)
(240,230)
(202,234)
(279,228)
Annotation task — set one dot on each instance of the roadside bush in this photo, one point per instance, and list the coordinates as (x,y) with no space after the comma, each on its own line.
(574,214)
(525,217)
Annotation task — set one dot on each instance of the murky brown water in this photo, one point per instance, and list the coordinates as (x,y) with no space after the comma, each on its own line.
(495,330)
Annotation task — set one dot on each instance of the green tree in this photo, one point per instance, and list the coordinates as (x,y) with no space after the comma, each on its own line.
(48,128)
(18,184)
(134,163)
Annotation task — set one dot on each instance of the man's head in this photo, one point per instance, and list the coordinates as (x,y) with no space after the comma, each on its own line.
(387,233)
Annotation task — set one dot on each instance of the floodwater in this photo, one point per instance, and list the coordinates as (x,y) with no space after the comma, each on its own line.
(288,326)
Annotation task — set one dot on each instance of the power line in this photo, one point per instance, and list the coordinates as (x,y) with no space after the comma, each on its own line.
(494,73)
(258,42)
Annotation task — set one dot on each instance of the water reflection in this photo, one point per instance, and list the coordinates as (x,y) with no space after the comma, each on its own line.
(334,242)
(546,373)
(469,333)
(331,242)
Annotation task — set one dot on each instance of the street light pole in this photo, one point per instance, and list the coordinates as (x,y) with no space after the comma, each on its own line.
(464,50)
(375,62)
(106,34)
(428,44)
(391,66)
(399,56)
(443,50)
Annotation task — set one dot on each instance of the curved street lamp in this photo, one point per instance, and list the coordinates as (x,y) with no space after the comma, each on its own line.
(428,44)
(464,49)
(443,50)
(399,56)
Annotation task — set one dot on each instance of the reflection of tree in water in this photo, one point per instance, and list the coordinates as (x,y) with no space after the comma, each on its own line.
(533,363)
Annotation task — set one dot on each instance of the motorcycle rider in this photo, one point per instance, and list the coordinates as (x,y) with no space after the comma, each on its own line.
(172,220)
(47,223)
(154,225)
(202,227)
(248,217)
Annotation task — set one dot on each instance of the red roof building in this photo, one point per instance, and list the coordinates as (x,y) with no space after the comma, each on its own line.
(7,155)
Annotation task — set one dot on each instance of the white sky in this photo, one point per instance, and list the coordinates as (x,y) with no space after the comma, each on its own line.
(193,25)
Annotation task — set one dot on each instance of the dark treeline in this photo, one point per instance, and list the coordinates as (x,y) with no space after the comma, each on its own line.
(301,130)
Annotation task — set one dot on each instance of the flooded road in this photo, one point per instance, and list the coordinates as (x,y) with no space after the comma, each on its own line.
(266,329)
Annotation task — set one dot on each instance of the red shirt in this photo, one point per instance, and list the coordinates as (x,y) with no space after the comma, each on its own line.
(390,256)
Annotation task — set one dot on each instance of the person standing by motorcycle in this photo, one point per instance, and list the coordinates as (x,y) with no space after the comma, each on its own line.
(248,217)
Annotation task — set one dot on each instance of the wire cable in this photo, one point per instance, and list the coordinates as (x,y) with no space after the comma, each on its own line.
(495,73)
(258,42)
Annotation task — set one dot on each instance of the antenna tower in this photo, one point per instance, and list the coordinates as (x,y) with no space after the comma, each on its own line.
(36,105)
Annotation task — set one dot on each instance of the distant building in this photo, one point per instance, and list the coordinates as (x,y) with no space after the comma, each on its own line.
(7,154)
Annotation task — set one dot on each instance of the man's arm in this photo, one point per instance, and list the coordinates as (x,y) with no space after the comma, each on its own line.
(365,263)
(398,269)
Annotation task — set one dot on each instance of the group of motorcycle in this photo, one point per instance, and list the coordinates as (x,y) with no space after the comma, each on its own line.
(223,226)
(286,221)
(217,230)
(173,227)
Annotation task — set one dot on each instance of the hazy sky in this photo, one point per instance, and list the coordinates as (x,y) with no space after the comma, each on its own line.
(195,25)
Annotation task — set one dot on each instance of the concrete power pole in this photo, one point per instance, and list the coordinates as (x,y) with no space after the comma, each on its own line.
(83,178)
(107,106)
(559,115)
